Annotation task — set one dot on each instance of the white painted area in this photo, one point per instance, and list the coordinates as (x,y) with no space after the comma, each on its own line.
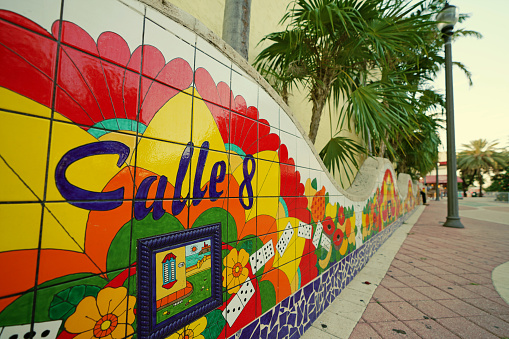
(171,26)
(172,47)
(98,16)
(244,86)
(218,71)
(268,109)
(42,12)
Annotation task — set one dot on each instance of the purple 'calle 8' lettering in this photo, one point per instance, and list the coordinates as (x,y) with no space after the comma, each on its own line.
(105,201)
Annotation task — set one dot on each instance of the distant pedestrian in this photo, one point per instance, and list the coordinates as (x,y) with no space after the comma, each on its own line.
(423,195)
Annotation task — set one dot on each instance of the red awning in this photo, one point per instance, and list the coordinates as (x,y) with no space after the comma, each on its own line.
(442,179)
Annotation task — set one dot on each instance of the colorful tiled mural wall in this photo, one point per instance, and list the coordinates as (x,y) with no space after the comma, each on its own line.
(120,124)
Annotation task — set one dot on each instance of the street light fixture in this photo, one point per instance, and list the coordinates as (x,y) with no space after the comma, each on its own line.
(446,19)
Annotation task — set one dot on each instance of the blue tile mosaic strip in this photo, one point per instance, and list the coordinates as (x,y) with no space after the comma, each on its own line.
(294,315)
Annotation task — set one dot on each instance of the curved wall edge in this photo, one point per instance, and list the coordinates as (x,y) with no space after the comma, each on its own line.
(145,164)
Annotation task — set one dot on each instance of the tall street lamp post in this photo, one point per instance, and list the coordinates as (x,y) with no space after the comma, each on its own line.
(446,19)
(437,188)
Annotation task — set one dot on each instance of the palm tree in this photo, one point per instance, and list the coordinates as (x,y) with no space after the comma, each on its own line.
(481,157)
(330,46)
(380,57)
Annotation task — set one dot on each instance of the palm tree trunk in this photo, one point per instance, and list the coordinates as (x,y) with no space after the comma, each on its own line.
(318,105)
(284,93)
(480,184)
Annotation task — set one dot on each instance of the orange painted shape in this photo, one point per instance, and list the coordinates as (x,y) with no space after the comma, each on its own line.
(58,263)
(18,271)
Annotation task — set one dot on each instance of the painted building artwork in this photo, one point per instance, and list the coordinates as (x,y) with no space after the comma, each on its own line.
(118,124)
(184,277)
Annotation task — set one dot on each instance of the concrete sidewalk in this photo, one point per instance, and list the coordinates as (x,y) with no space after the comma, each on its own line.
(430,281)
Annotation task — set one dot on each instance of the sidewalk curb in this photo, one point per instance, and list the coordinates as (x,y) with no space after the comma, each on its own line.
(349,306)
(500,278)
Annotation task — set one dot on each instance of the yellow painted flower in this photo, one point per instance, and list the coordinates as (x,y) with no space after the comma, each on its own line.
(235,271)
(106,316)
(309,192)
(191,331)
(331,211)
(353,230)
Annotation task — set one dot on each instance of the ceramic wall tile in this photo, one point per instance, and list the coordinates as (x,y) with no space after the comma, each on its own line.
(91,19)
(169,25)
(243,171)
(211,72)
(24,164)
(43,13)
(173,48)
(21,224)
(268,179)
(290,141)
(17,315)
(268,109)
(286,124)
(23,87)
(245,91)
(243,134)
(314,164)
(76,145)
(304,153)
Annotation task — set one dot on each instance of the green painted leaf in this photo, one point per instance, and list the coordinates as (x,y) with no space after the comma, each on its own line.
(65,302)
(19,312)
(215,215)
(146,227)
(267,294)
(314,184)
(215,324)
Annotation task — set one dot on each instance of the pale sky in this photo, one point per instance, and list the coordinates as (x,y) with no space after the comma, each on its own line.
(481,111)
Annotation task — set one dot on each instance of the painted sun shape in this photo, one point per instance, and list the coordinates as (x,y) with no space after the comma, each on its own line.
(101,85)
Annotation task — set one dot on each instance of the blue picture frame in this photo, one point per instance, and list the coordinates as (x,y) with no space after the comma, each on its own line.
(148,326)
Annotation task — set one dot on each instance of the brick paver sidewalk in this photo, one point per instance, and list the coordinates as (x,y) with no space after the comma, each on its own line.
(439,284)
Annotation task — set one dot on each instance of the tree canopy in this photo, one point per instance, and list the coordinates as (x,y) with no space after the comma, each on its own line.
(373,60)
(481,157)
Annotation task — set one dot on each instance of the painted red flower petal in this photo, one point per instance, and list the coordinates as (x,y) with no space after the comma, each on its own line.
(341,215)
(241,126)
(27,58)
(328,226)
(337,238)
(307,266)
(96,81)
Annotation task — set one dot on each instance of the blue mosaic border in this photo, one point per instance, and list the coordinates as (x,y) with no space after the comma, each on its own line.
(294,315)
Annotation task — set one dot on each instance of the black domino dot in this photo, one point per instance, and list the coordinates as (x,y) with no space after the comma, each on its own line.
(45,333)
(14,336)
(29,335)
